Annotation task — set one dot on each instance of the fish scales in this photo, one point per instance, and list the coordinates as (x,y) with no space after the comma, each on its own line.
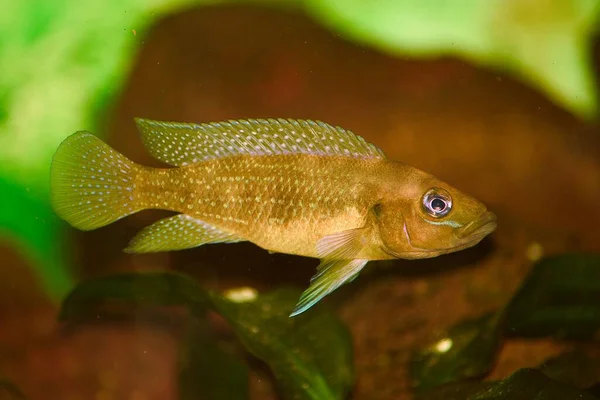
(281,203)
(290,186)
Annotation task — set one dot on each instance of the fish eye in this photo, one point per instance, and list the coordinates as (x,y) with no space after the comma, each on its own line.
(437,202)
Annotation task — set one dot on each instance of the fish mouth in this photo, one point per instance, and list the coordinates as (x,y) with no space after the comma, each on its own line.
(479,227)
(469,235)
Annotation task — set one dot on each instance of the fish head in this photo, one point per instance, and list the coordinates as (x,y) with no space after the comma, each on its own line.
(425,217)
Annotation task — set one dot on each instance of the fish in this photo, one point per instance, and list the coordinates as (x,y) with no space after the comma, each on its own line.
(293,186)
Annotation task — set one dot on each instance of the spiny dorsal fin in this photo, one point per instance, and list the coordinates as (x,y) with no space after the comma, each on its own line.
(181,144)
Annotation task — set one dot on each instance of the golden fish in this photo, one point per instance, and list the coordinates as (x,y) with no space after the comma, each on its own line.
(289,186)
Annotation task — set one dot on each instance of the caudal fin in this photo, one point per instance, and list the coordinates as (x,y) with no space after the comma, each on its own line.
(91,184)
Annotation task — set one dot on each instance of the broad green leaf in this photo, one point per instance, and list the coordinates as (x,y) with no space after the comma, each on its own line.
(525,384)
(560,297)
(310,355)
(207,371)
(545,42)
(467,350)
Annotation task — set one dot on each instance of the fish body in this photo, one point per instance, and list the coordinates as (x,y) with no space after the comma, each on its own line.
(289,186)
(283,203)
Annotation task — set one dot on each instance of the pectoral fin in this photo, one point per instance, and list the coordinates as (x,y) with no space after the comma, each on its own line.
(331,275)
(343,245)
(339,265)
(177,233)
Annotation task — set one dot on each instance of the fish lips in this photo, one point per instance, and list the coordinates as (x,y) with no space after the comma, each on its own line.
(478,228)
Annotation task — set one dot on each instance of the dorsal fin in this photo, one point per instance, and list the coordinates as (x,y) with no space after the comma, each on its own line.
(181,144)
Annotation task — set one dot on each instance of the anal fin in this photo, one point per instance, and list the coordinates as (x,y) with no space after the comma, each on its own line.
(331,275)
(178,233)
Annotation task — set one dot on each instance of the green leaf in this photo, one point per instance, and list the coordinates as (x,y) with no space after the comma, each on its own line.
(467,350)
(310,355)
(525,384)
(560,297)
(544,42)
(207,371)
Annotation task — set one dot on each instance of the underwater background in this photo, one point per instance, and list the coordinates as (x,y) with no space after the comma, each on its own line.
(498,98)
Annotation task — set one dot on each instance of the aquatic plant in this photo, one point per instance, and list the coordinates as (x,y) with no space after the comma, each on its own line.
(310,356)
(559,299)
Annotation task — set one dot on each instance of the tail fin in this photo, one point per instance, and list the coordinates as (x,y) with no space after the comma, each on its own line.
(91,184)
